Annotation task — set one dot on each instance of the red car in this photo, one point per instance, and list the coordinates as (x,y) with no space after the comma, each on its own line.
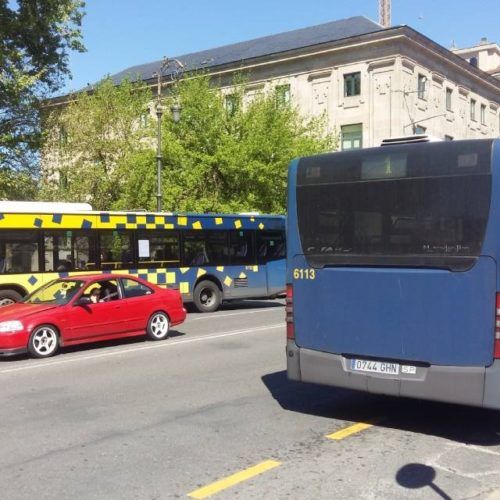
(81,309)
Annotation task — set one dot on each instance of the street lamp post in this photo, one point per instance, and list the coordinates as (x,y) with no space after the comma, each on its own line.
(175,109)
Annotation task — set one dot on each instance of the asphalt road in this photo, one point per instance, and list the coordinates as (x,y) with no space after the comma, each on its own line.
(210,412)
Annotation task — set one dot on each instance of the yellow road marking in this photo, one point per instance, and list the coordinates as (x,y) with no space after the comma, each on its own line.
(236,478)
(352,429)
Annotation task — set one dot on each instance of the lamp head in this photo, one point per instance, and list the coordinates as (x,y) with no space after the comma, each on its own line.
(176,112)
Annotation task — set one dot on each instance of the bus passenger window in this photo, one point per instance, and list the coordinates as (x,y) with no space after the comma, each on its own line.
(19,252)
(116,250)
(205,248)
(67,251)
(194,250)
(158,249)
(271,245)
(241,247)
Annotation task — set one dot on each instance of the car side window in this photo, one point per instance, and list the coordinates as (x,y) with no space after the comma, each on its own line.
(132,288)
(102,291)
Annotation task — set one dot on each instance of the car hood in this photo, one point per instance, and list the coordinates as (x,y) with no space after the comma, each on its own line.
(21,310)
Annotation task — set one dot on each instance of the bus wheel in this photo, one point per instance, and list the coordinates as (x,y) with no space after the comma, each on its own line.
(207,296)
(43,342)
(8,297)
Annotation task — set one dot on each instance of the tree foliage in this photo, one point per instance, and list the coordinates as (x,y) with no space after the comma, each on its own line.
(215,158)
(233,161)
(94,142)
(35,39)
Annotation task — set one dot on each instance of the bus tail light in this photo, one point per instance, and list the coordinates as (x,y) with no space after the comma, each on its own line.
(496,352)
(290,328)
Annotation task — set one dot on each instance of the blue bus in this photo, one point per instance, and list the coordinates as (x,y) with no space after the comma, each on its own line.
(393,270)
(211,258)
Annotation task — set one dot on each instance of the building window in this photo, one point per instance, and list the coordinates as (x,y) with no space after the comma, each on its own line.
(352,84)
(422,80)
(473,109)
(419,130)
(282,95)
(449,94)
(232,104)
(483,114)
(352,136)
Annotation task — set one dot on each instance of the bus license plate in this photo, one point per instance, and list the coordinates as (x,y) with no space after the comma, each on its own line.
(364,365)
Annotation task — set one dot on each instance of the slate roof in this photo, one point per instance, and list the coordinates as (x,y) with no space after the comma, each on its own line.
(268,45)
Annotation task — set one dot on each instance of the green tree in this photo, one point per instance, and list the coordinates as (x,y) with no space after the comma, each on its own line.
(35,39)
(95,141)
(234,158)
(220,158)
(217,158)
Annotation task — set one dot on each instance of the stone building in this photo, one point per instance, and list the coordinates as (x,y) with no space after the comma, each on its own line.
(485,55)
(370,82)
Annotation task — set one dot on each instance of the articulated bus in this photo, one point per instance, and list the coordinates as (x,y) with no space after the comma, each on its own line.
(393,270)
(210,258)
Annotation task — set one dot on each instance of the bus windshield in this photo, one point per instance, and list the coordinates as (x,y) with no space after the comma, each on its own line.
(407,205)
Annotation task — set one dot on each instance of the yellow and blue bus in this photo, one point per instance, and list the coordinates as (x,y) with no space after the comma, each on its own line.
(211,258)
(393,270)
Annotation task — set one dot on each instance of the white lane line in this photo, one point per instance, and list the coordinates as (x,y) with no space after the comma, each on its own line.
(50,363)
(477,448)
(212,316)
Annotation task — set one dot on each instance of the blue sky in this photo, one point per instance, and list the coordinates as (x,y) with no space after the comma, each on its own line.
(120,34)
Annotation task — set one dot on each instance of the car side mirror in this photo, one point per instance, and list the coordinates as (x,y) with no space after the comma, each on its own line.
(82,301)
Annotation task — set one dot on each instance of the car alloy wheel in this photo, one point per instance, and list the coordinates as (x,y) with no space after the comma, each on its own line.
(44,342)
(158,326)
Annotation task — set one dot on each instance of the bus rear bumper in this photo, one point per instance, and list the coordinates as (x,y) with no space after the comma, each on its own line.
(475,386)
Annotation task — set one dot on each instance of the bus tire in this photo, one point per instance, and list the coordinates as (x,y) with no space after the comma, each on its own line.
(8,297)
(158,326)
(207,297)
(44,341)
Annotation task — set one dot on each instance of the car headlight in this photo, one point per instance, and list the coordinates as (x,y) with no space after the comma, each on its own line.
(10,326)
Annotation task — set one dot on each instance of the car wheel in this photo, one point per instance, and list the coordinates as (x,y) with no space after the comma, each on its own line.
(158,326)
(8,297)
(43,342)
(207,296)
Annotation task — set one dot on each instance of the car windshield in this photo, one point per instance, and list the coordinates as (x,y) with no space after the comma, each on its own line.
(56,292)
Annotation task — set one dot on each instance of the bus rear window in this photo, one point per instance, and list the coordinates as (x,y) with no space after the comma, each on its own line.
(395,211)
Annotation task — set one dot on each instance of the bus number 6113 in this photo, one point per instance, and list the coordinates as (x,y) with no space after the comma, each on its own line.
(304,274)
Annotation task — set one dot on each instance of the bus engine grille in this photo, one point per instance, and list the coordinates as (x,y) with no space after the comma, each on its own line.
(240,282)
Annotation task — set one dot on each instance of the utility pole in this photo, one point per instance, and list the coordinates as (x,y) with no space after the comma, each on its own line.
(384,13)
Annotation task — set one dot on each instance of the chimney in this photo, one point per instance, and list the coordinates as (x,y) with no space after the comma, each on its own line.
(384,13)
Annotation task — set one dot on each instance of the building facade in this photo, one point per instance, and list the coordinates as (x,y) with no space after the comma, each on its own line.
(485,55)
(370,82)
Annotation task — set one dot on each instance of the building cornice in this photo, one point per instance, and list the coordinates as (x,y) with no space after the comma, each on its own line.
(391,36)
